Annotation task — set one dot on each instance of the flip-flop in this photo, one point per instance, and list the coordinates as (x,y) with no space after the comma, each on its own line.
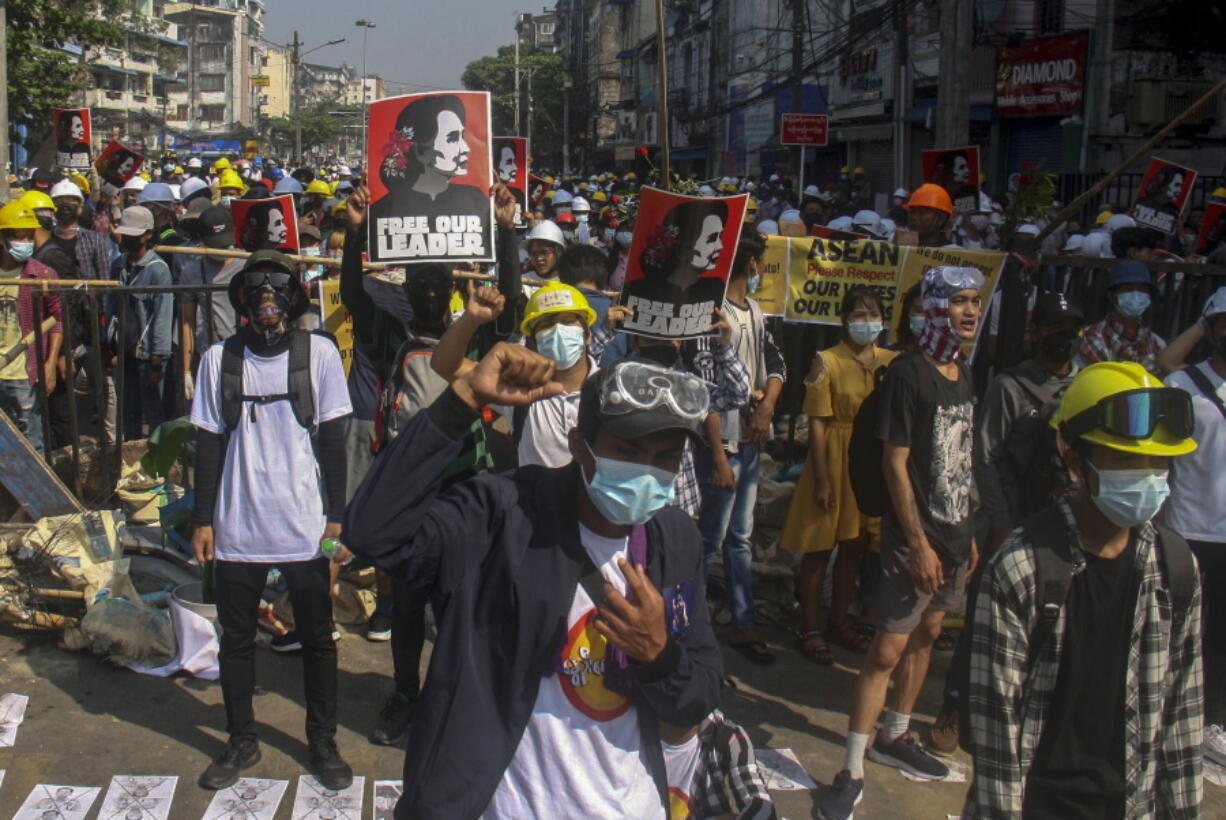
(818,652)
(756,650)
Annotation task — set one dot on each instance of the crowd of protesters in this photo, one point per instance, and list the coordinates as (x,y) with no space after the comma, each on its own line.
(558,491)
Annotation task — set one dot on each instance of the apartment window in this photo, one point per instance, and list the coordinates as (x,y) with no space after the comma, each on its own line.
(212,52)
(1049,16)
(181,113)
(212,82)
(213,113)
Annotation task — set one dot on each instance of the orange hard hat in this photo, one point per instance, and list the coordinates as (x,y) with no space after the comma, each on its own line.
(933,196)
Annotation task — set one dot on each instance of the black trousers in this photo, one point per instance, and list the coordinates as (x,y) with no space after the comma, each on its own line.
(1211,557)
(408,638)
(239,587)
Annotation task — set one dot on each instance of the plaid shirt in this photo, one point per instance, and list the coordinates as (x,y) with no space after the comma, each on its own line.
(728,783)
(1113,341)
(1008,703)
(93,254)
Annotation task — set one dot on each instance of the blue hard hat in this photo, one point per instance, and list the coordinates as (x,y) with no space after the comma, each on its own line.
(275,173)
(287,185)
(1127,272)
(158,193)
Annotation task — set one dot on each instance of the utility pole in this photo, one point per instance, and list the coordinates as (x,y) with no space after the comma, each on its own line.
(366,26)
(567,85)
(516,73)
(902,95)
(798,45)
(4,100)
(953,93)
(297,63)
(666,178)
(528,124)
(1104,45)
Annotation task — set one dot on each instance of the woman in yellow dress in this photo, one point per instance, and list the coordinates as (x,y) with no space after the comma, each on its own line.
(823,511)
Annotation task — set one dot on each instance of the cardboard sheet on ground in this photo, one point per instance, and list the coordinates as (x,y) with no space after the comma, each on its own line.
(314,802)
(336,319)
(679,260)
(1162,195)
(139,797)
(251,798)
(430,177)
(59,802)
(781,770)
(12,713)
(387,792)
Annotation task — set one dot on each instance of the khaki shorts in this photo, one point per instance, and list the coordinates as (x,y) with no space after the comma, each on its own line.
(900,606)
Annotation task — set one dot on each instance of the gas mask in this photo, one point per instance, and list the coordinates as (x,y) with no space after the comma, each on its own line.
(67,214)
(267,302)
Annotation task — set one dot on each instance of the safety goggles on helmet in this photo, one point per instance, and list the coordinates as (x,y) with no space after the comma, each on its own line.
(259,278)
(637,386)
(1137,414)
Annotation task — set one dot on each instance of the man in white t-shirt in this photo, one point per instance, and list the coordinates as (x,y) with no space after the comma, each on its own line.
(270,406)
(1197,506)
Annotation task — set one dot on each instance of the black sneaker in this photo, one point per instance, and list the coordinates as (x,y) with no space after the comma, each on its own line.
(840,800)
(380,628)
(286,643)
(329,768)
(903,752)
(394,720)
(239,754)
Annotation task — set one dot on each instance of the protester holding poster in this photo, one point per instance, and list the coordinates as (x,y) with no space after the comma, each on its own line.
(430,178)
(1164,191)
(1212,230)
(511,163)
(72,137)
(266,224)
(117,164)
(679,260)
(957,171)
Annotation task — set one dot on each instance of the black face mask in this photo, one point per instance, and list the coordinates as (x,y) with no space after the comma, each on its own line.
(255,306)
(66,215)
(130,244)
(1058,347)
(663,355)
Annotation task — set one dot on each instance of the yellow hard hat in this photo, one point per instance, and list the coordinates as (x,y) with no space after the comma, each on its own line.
(1089,393)
(340,207)
(222,164)
(556,298)
(231,179)
(600,196)
(859,169)
(332,187)
(549,194)
(1218,193)
(80,180)
(632,175)
(751,205)
(318,186)
(145,176)
(36,201)
(178,170)
(1102,218)
(15,216)
(844,170)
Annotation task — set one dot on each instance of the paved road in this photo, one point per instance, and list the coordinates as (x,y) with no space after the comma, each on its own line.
(88,720)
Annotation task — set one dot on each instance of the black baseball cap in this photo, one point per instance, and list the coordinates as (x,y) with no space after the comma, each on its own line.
(215,226)
(270,259)
(632,398)
(1052,306)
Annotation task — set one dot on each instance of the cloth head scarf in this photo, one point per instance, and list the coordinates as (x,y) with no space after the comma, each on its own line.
(939,339)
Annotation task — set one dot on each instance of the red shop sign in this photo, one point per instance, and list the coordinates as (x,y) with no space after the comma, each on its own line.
(1045,76)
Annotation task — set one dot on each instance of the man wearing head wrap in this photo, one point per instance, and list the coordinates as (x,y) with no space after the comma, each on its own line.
(925,423)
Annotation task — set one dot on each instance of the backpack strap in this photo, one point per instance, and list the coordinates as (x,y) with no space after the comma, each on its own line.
(301,396)
(1202,384)
(519,417)
(1053,572)
(231,381)
(1180,570)
(298,382)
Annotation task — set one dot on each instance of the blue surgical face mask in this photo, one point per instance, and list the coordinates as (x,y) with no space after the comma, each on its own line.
(607,234)
(1133,303)
(624,238)
(628,493)
(581,218)
(1130,497)
(755,282)
(562,343)
(21,251)
(225,201)
(916,323)
(863,333)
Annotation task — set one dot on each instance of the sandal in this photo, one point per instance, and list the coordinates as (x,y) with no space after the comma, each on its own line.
(756,650)
(817,651)
(864,628)
(946,641)
(848,638)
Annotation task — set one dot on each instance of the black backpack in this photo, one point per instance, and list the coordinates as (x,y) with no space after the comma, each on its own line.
(1043,477)
(865,451)
(299,395)
(1048,535)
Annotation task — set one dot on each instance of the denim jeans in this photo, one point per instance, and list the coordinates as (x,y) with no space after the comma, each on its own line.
(18,398)
(727,519)
(141,400)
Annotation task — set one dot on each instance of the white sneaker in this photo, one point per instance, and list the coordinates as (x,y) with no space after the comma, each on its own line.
(1215,744)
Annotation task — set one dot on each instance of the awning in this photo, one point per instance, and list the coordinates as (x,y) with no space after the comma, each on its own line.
(116,69)
(862,133)
(626,54)
(162,78)
(689,153)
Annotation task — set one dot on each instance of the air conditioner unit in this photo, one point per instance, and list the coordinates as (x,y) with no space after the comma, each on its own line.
(1157,101)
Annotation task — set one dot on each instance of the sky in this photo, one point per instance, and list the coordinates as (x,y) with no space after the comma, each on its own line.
(417,45)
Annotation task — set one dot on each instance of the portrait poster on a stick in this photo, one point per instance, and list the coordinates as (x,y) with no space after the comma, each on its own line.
(430,178)
(511,166)
(1163,192)
(957,171)
(265,224)
(118,163)
(679,261)
(72,135)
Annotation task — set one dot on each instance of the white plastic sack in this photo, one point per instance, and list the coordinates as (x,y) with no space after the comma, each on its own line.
(197,646)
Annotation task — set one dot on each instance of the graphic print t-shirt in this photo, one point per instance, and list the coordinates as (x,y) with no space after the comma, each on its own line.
(681,767)
(581,753)
(934,417)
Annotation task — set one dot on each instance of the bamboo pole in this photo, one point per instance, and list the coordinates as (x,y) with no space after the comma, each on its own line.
(23,345)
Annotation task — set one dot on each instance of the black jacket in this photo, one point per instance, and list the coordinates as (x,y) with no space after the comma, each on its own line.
(500,556)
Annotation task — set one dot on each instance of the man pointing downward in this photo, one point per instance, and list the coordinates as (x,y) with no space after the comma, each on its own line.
(573,628)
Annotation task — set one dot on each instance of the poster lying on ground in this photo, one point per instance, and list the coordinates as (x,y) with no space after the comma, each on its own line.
(679,260)
(430,177)
(117,163)
(72,135)
(957,171)
(261,224)
(1162,195)
(1212,229)
(511,167)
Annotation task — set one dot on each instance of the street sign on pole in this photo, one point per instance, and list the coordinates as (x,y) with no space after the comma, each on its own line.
(261,79)
(804,130)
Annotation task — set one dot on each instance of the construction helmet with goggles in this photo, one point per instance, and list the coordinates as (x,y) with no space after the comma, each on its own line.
(1121,406)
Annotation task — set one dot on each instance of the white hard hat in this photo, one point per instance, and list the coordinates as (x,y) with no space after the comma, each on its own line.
(1118,221)
(791,215)
(175,188)
(868,220)
(749,186)
(135,184)
(812,190)
(768,226)
(1094,242)
(774,177)
(1216,303)
(190,186)
(1075,242)
(841,223)
(577,204)
(706,190)
(1027,229)
(547,231)
(888,229)
(902,193)
(562,198)
(194,162)
(66,187)
(345,172)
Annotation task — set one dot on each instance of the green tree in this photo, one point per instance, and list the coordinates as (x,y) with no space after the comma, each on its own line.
(43,75)
(497,75)
(319,124)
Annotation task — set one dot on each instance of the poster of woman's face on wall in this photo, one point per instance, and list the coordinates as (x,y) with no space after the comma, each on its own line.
(264,224)
(431,174)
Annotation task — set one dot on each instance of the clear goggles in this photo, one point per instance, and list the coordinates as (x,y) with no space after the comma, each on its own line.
(637,386)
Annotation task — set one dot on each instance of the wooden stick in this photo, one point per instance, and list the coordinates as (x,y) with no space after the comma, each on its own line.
(26,340)
(1075,206)
(58,593)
